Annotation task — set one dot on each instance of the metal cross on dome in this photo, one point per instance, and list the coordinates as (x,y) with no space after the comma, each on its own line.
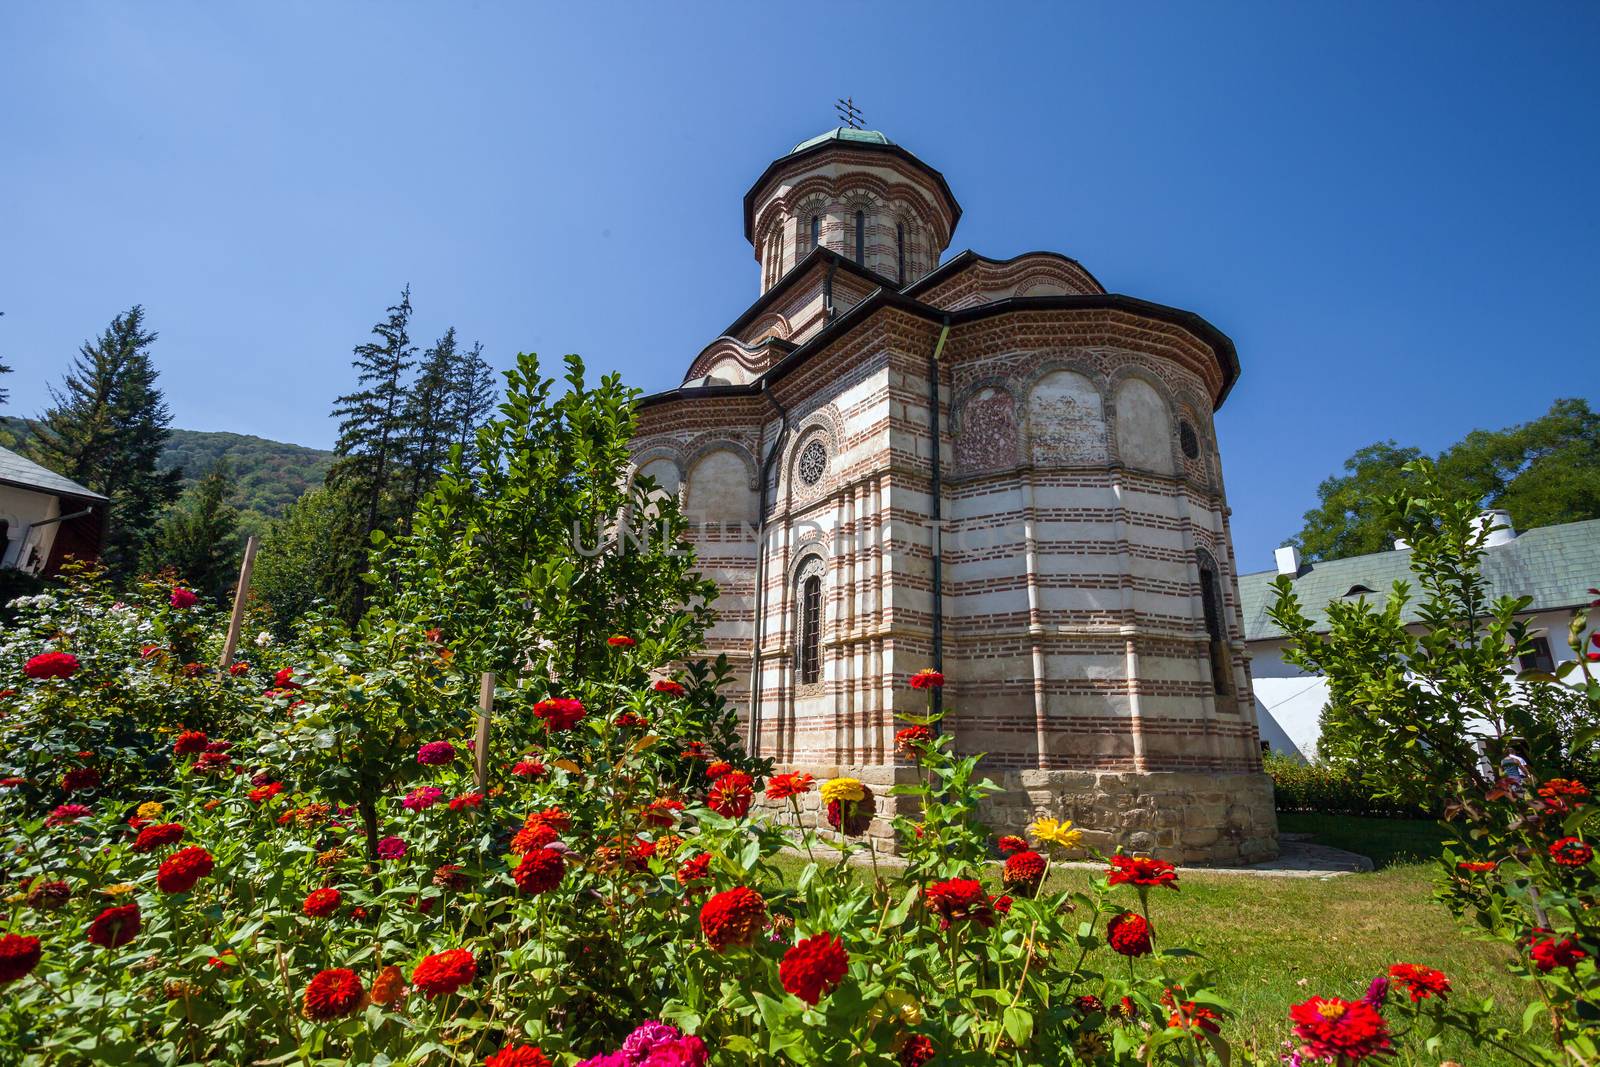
(849,114)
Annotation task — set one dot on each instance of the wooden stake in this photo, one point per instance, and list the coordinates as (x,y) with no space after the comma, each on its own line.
(481,742)
(232,644)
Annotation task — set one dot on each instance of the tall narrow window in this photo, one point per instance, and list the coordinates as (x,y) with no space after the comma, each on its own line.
(811,630)
(816,231)
(900,252)
(1211,604)
(861,237)
(1538,657)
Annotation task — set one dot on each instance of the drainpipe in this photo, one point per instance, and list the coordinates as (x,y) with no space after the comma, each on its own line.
(827,293)
(761,567)
(937,533)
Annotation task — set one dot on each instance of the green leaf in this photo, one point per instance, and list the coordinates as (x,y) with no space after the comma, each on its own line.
(1018,1025)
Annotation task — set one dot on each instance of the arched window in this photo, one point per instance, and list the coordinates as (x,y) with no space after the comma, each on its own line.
(1211,604)
(900,252)
(811,630)
(861,237)
(816,231)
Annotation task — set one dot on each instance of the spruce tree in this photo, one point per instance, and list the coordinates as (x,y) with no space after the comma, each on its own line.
(199,535)
(105,430)
(372,424)
(428,428)
(472,397)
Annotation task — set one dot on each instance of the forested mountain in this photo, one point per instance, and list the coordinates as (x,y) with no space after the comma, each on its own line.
(268,475)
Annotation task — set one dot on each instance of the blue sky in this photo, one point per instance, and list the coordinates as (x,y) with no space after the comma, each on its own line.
(1391,208)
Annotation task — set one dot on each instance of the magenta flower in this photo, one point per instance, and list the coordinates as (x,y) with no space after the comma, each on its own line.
(422,798)
(182,598)
(391,848)
(66,813)
(436,752)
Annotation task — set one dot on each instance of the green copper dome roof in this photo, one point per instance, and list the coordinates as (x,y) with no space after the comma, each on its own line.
(842,133)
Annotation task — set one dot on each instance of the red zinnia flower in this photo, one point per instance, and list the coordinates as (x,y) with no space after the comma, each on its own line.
(154,837)
(639,853)
(1571,852)
(718,769)
(790,784)
(1330,1028)
(1477,866)
(1129,934)
(262,793)
(19,955)
(1002,904)
(80,778)
(1188,1015)
(48,896)
(1089,1004)
(528,769)
(332,994)
(209,761)
(284,679)
(917,1051)
(436,752)
(667,685)
(913,739)
(115,927)
(189,743)
(538,835)
(814,967)
(1011,843)
(1421,982)
(1132,870)
(519,1055)
(239,667)
(51,665)
(1023,869)
(620,641)
(1561,788)
(181,870)
(182,598)
(65,813)
(694,869)
(958,899)
(444,972)
(1551,952)
(559,713)
(732,918)
(661,812)
(554,818)
(540,871)
(730,796)
(321,903)
(466,800)
(632,719)
(927,678)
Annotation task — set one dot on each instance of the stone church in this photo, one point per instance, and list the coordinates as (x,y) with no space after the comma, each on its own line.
(895,459)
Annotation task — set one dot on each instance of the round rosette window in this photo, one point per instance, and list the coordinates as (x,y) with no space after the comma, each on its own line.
(813,463)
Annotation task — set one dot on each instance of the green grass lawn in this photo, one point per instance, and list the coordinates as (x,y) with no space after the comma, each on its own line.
(1274,941)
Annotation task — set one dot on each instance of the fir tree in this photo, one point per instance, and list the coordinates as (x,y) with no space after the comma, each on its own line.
(313,554)
(428,426)
(199,536)
(472,397)
(105,430)
(5,368)
(372,422)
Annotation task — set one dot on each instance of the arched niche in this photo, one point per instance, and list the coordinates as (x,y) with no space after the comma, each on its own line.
(1066,420)
(1144,427)
(719,488)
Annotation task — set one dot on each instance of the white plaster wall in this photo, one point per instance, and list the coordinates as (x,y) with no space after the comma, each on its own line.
(1144,427)
(19,508)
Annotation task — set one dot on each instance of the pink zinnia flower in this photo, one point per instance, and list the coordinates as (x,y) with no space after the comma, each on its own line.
(391,848)
(436,752)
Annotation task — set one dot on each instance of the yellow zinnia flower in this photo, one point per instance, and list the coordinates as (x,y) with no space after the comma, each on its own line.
(151,809)
(843,789)
(118,889)
(1056,833)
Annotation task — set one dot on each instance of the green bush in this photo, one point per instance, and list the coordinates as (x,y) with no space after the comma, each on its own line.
(1328,789)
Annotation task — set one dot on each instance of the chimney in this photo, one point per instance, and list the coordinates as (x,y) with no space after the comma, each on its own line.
(1489,520)
(1288,558)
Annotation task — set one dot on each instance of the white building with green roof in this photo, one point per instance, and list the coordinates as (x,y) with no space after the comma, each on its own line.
(1555,566)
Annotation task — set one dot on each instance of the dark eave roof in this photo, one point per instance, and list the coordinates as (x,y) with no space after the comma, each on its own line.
(885,297)
(792,277)
(855,146)
(958,263)
(23,473)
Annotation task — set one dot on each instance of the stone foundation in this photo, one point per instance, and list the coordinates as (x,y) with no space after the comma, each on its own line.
(1181,816)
